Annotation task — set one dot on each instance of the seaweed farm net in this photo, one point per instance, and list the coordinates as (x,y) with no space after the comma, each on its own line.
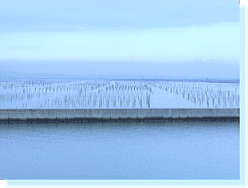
(64,94)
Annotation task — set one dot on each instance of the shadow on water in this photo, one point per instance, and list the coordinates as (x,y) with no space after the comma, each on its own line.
(144,150)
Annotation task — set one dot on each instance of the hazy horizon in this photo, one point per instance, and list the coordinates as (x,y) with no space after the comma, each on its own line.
(154,38)
(196,69)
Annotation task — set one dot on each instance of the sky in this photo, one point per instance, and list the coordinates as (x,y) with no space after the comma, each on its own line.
(132,37)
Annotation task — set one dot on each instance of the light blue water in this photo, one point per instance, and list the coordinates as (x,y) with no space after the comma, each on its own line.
(151,150)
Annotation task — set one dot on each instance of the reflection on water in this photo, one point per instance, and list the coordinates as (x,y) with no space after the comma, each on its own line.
(151,150)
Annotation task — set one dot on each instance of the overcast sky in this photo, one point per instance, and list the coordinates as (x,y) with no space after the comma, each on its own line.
(120,35)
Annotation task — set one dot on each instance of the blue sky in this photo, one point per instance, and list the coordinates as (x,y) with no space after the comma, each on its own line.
(121,32)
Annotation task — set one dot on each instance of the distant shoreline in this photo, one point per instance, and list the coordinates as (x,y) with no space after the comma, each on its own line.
(184,80)
(207,80)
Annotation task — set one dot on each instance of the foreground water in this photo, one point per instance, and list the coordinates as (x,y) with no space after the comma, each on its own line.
(145,150)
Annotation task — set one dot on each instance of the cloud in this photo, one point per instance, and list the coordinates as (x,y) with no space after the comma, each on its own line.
(63,16)
(206,42)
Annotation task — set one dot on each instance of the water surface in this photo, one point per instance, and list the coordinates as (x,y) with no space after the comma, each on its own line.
(145,150)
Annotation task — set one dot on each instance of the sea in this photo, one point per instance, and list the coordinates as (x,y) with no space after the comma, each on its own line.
(119,150)
(125,150)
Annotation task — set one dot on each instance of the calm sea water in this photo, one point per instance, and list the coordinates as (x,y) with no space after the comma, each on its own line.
(150,150)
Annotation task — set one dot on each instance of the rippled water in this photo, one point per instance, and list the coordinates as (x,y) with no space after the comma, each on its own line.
(145,150)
